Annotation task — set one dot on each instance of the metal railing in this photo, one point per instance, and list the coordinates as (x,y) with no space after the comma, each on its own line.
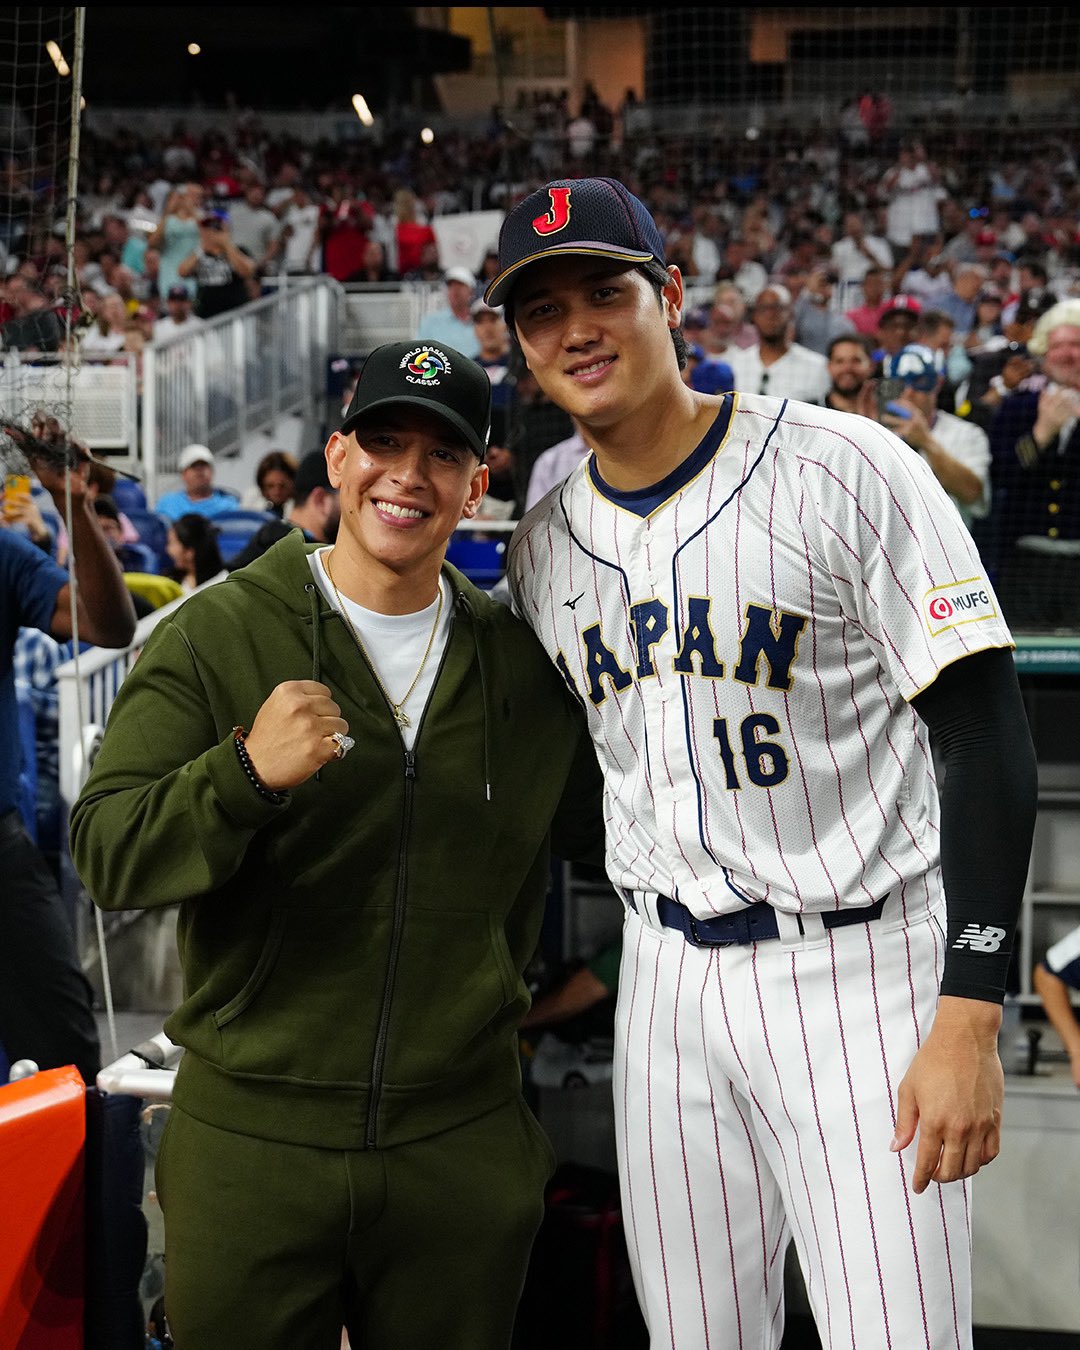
(372,314)
(235,374)
(87,687)
(95,394)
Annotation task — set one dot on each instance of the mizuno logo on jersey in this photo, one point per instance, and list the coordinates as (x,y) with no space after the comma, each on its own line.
(980,939)
(961,602)
(573,601)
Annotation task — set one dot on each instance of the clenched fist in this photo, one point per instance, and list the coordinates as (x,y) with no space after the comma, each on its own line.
(291,736)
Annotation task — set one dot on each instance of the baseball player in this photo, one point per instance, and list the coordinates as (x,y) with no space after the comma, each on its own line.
(769,611)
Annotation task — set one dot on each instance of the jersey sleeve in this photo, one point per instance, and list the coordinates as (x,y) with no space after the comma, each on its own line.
(905,567)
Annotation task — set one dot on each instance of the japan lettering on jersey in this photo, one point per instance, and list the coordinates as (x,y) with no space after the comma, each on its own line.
(745,652)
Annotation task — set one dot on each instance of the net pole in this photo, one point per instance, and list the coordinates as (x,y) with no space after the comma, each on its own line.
(70,365)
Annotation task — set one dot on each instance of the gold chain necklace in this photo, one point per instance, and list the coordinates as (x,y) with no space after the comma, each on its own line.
(401,717)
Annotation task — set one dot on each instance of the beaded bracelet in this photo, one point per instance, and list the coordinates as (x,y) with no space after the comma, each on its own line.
(268,794)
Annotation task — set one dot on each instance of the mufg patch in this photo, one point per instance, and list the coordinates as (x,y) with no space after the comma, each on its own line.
(960,602)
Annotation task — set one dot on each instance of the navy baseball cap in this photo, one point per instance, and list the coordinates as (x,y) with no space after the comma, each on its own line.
(421,375)
(597,217)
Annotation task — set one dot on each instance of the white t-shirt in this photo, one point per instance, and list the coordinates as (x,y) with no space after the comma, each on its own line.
(94,340)
(167,326)
(303,224)
(851,262)
(913,205)
(800,373)
(395,644)
(970,446)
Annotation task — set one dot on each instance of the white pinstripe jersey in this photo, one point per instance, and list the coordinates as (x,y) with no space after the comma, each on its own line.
(746,650)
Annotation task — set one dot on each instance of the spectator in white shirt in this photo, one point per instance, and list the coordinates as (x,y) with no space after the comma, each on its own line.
(179,316)
(108,332)
(777,365)
(300,216)
(911,188)
(853,254)
(742,267)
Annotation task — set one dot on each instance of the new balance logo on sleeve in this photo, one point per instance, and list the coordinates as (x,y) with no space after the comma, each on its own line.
(980,939)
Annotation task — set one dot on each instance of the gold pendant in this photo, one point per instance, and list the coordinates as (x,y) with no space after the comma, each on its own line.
(401,717)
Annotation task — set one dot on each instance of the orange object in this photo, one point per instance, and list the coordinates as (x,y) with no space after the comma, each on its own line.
(16,494)
(42,1133)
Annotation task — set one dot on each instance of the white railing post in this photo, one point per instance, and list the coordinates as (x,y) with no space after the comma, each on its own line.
(239,353)
(148,440)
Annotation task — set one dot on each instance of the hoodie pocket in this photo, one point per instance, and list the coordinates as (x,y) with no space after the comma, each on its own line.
(265,964)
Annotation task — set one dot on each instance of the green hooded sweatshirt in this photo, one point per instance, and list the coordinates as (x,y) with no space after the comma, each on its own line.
(353,957)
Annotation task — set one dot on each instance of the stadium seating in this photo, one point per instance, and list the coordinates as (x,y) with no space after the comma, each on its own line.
(235,529)
(128,496)
(153,531)
(482,560)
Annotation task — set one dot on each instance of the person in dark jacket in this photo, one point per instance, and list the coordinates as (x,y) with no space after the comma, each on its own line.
(348,767)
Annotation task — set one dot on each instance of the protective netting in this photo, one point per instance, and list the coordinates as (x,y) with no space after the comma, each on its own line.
(867,160)
(39,71)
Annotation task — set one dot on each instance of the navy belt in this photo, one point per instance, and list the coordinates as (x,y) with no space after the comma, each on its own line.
(756,923)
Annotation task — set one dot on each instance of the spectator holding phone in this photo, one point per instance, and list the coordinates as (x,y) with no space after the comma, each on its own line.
(221,270)
(956,450)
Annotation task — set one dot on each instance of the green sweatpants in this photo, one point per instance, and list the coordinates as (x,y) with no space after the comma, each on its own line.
(272,1246)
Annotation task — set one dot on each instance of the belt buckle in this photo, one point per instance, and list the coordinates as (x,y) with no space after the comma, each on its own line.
(699,941)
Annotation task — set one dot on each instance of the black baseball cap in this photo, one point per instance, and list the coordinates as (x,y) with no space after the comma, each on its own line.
(439,380)
(597,217)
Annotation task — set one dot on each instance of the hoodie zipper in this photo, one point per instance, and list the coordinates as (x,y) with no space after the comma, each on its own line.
(379,1059)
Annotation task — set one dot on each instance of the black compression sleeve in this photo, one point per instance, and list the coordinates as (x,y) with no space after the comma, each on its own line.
(976,716)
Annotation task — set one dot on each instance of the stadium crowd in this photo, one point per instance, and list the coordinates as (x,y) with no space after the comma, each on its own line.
(815,261)
(913,276)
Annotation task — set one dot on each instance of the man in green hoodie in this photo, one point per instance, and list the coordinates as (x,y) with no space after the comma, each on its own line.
(347,766)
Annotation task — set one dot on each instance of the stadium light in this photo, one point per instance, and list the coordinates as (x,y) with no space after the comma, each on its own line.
(362,110)
(193,49)
(53,48)
(427,135)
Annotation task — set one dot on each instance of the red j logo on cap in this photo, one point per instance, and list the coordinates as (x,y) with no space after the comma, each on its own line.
(559,216)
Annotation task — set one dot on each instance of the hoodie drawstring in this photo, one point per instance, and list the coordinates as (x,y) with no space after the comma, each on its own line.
(316,643)
(483,699)
(316,631)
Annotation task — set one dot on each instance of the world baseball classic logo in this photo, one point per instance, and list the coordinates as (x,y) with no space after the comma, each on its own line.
(425,365)
(960,602)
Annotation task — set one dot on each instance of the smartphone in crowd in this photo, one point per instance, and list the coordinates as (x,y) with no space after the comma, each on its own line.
(16,494)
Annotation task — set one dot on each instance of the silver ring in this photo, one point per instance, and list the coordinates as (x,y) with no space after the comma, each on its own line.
(343,744)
